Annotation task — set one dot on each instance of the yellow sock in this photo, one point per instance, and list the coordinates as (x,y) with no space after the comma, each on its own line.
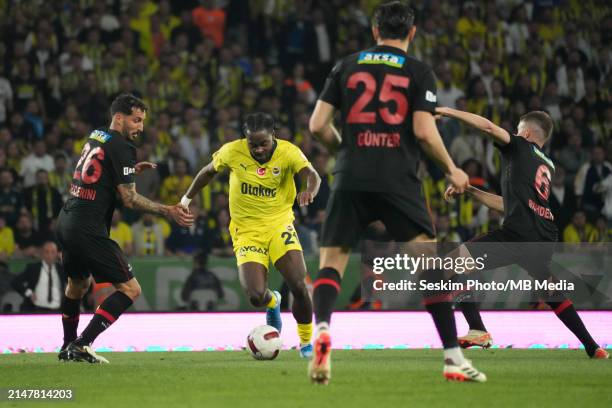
(304,332)
(272,303)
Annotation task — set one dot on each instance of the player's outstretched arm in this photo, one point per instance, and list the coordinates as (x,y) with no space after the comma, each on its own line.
(322,127)
(200,181)
(499,134)
(313,182)
(493,201)
(131,199)
(426,132)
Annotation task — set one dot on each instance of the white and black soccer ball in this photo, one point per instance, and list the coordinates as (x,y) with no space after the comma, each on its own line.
(264,343)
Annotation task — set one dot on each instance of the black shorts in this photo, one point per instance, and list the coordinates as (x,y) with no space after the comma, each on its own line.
(85,254)
(502,248)
(350,212)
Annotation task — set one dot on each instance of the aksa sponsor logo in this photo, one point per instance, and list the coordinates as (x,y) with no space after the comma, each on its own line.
(261,171)
(392,60)
(258,191)
(244,250)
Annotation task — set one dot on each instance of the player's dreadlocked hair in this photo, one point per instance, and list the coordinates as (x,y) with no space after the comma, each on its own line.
(258,121)
(125,103)
(394,20)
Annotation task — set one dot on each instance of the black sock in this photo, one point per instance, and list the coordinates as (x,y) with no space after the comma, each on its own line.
(472,315)
(105,315)
(437,303)
(326,289)
(71,311)
(444,319)
(566,312)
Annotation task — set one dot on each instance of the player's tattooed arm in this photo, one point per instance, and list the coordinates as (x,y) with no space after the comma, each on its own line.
(201,180)
(131,199)
(322,127)
(313,182)
(500,135)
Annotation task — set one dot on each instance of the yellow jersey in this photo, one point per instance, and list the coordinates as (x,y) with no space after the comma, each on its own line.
(260,193)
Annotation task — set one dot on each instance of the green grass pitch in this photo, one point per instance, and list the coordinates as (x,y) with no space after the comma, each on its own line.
(360,378)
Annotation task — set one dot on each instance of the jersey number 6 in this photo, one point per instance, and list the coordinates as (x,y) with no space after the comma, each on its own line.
(90,159)
(387,93)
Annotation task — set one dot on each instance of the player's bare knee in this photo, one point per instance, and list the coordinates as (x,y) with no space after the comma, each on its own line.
(130,288)
(77,288)
(298,289)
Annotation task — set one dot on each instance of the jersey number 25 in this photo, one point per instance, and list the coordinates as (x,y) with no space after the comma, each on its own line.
(393,89)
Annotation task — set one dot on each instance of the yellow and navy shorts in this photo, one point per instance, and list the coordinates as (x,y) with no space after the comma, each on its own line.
(263,245)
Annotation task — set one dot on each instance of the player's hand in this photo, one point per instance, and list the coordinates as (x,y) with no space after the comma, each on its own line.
(305,198)
(181,215)
(459,180)
(142,166)
(450,193)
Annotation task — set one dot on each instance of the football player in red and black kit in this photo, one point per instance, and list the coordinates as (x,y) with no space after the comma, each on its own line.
(387,102)
(525,183)
(107,166)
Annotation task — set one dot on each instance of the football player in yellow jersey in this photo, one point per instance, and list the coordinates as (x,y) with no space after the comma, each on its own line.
(261,196)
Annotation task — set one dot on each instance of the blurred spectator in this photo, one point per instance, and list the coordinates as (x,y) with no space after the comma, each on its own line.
(605,187)
(210,20)
(148,236)
(121,233)
(447,93)
(220,241)
(201,279)
(7,240)
(10,198)
(579,230)
(186,240)
(37,160)
(444,232)
(176,184)
(42,201)
(562,199)
(195,144)
(6,99)
(589,175)
(27,239)
(61,176)
(572,156)
(42,283)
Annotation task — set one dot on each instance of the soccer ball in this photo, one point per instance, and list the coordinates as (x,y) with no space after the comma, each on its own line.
(264,343)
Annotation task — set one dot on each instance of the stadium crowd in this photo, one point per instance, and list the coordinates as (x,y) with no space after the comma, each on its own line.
(200,66)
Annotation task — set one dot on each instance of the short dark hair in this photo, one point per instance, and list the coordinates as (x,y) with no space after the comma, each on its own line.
(258,121)
(542,119)
(394,20)
(125,103)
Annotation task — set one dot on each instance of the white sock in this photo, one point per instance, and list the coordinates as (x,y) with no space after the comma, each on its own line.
(322,326)
(455,355)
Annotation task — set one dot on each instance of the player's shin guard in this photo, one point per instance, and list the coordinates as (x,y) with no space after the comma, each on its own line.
(326,289)
(70,318)
(566,312)
(105,315)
